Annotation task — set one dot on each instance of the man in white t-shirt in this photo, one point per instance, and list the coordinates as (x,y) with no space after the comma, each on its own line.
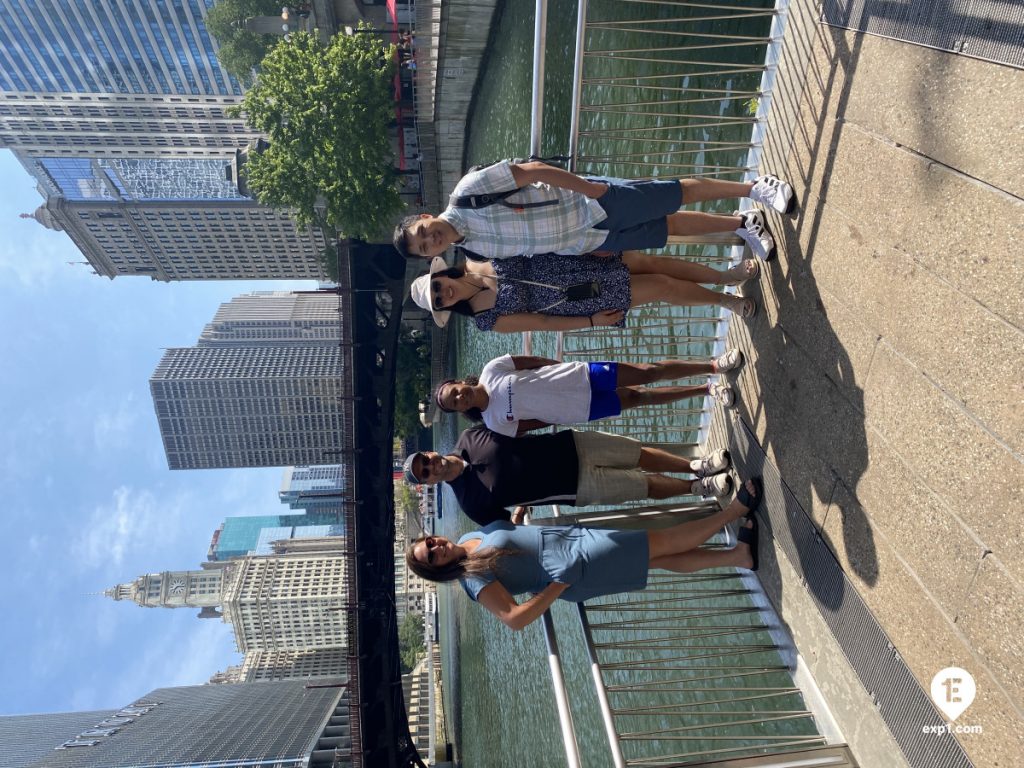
(516,394)
(557,393)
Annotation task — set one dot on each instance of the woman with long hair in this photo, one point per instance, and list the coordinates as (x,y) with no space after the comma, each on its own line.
(564,293)
(515,394)
(575,563)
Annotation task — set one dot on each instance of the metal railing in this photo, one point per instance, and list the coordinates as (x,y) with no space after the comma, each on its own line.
(695,637)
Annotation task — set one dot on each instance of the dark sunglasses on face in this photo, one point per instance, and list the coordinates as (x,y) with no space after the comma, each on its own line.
(429,543)
(423,471)
(435,292)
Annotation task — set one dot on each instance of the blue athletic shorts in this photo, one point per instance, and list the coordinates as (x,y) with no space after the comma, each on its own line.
(604,400)
(636,212)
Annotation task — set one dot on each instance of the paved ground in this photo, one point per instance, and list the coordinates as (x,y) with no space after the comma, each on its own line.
(884,374)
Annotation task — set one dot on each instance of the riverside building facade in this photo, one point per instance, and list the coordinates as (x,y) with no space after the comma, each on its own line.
(283,724)
(293,603)
(115,78)
(170,219)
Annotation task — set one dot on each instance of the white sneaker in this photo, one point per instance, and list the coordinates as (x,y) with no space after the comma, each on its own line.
(722,394)
(729,360)
(756,234)
(712,464)
(712,485)
(774,193)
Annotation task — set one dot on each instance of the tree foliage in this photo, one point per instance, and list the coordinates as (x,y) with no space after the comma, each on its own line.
(406,501)
(239,50)
(412,383)
(326,111)
(410,640)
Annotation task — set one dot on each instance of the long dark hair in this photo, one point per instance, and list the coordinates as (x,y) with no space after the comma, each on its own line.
(460,307)
(473,414)
(475,563)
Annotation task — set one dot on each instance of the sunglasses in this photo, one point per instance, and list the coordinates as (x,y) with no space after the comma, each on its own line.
(420,468)
(430,542)
(435,293)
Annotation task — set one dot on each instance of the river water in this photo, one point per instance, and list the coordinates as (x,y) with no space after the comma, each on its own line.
(498,690)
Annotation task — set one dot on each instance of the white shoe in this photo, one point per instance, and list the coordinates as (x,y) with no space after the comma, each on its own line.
(729,360)
(756,234)
(723,394)
(774,193)
(712,464)
(712,485)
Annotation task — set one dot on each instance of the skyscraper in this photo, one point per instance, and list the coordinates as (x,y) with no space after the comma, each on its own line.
(170,220)
(27,738)
(289,602)
(295,601)
(114,78)
(253,534)
(249,406)
(275,319)
(313,488)
(282,724)
(285,665)
(265,386)
(203,589)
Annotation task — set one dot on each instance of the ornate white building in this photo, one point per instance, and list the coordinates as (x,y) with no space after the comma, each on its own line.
(288,611)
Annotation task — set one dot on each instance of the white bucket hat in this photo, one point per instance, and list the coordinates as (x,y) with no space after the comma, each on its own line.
(420,292)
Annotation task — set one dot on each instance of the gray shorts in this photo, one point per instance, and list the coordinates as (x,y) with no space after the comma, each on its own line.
(609,471)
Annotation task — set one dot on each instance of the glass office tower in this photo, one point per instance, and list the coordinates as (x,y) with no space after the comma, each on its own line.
(110,46)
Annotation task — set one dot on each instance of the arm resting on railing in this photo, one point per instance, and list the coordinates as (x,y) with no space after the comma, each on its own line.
(528,173)
(534,321)
(499,601)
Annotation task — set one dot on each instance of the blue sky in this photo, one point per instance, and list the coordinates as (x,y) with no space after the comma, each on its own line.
(89,501)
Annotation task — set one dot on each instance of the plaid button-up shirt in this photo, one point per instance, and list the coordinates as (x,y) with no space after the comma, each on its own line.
(498,231)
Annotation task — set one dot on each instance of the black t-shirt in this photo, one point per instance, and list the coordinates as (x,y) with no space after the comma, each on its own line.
(509,471)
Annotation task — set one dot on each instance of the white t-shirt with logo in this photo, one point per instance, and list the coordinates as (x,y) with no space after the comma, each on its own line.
(556,394)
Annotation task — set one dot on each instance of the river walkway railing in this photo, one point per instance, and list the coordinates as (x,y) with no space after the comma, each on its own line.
(688,671)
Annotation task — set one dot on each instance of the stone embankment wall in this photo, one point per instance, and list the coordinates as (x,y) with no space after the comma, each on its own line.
(451,45)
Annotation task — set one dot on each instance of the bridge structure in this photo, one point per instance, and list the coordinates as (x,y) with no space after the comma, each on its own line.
(371,288)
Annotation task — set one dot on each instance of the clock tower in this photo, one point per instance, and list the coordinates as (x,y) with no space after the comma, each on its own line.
(174,589)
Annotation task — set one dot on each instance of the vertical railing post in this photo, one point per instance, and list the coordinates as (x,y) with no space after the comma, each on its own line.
(540,33)
(602,692)
(577,84)
(572,750)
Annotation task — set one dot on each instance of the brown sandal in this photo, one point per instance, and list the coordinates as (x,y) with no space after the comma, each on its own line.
(745,307)
(748,269)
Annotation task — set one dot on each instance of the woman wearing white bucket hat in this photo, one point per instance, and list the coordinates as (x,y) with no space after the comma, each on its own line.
(564,292)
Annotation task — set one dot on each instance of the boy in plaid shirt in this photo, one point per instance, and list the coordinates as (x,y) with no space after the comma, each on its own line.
(555,211)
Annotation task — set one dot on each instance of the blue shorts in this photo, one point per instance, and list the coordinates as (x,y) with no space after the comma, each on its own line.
(636,212)
(604,400)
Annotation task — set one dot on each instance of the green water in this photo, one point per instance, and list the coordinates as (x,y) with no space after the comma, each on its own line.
(498,688)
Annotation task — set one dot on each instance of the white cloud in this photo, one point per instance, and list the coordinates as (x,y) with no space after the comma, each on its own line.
(112,430)
(36,258)
(185,651)
(131,520)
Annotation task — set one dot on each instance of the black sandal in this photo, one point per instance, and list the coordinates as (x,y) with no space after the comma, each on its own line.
(751,502)
(749,536)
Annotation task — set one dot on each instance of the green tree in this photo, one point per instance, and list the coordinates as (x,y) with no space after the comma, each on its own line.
(412,383)
(326,111)
(410,640)
(406,500)
(239,50)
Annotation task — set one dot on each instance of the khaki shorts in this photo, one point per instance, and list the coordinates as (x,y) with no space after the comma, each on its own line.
(608,469)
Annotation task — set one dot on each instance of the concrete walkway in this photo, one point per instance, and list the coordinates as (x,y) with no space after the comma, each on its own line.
(885,374)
